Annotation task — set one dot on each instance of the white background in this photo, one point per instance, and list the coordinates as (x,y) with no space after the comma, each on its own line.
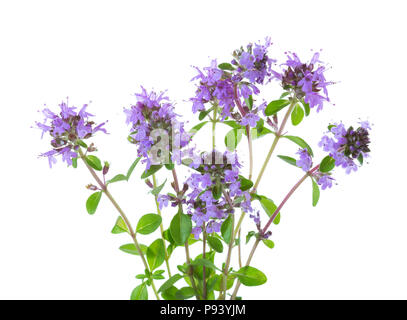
(351,246)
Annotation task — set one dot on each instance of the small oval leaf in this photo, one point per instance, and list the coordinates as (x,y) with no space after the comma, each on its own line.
(250,276)
(139,293)
(327,164)
(148,223)
(94,162)
(93,202)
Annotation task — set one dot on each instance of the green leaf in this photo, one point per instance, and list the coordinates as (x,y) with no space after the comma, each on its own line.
(153,169)
(275,106)
(156,254)
(232,138)
(122,177)
(245,184)
(233,124)
(327,164)
(120,226)
(204,262)
(204,113)
(299,141)
(217,190)
(227,228)
(249,235)
(131,248)
(268,243)
(198,127)
(75,162)
(170,282)
(297,115)
(229,282)
(315,193)
(226,66)
(360,158)
(82,143)
(140,292)
(131,169)
(168,237)
(289,160)
(156,191)
(180,228)
(268,205)
(93,202)
(249,102)
(148,223)
(116,178)
(250,276)
(185,293)
(306,107)
(215,244)
(169,166)
(258,133)
(170,293)
(331,126)
(94,162)
(284,94)
(276,220)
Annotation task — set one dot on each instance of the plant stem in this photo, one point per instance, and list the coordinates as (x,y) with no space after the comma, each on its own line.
(227,264)
(273,216)
(240,252)
(214,120)
(122,214)
(191,271)
(161,228)
(250,145)
(273,146)
(204,291)
(188,259)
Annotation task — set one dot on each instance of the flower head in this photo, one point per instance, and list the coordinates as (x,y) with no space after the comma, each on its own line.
(223,87)
(307,80)
(347,145)
(67,129)
(155,124)
(215,191)
(305,160)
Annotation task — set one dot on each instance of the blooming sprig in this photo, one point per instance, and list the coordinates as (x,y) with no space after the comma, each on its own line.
(151,118)
(307,80)
(213,189)
(347,145)
(228,86)
(67,129)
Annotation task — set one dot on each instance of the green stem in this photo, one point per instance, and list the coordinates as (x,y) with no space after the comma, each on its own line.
(273,146)
(223,287)
(214,120)
(122,214)
(227,264)
(188,259)
(204,290)
(273,216)
(191,271)
(161,228)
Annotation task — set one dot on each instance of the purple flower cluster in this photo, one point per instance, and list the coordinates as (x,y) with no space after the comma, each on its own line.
(305,160)
(215,191)
(154,112)
(225,88)
(307,80)
(346,145)
(252,64)
(67,129)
